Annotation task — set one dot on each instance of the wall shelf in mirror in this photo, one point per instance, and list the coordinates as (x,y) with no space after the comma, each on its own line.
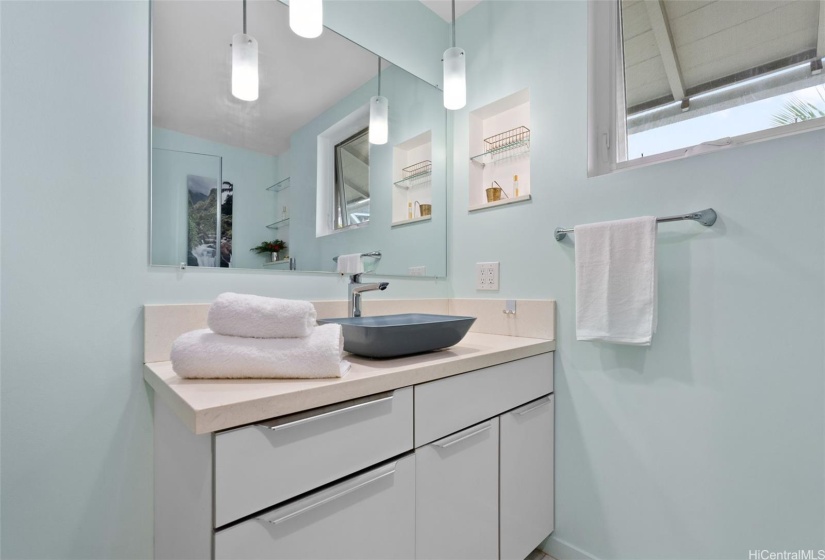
(279,186)
(279,224)
(412,173)
(500,135)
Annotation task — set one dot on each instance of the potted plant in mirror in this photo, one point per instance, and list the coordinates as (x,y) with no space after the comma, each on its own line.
(271,247)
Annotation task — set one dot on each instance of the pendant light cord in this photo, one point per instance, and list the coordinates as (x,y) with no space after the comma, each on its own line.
(379,76)
(244,15)
(453,34)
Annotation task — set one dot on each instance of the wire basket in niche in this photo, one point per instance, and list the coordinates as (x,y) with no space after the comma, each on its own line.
(514,136)
(416,169)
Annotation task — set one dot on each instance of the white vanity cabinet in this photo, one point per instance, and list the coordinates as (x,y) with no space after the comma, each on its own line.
(458,467)
(457,495)
(369,516)
(526,488)
(485,491)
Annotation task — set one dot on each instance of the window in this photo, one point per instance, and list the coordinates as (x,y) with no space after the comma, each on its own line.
(352,181)
(671,78)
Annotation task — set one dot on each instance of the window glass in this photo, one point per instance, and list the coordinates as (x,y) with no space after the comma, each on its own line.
(702,71)
(352,180)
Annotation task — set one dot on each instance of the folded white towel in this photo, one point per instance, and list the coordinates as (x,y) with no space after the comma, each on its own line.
(260,317)
(616,281)
(350,264)
(203,354)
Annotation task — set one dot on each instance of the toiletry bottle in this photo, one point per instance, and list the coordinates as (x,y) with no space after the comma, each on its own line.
(409,211)
(515,186)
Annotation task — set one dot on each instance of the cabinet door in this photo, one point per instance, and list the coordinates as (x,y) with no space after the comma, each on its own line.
(456,495)
(369,516)
(526,477)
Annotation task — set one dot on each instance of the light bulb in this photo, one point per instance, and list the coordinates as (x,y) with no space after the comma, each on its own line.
(244,67)
(455,79)
(306,17)
(379,119)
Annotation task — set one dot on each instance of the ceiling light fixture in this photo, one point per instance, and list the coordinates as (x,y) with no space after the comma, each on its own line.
(455,74)
(244,64)
(379,114)
(306,17)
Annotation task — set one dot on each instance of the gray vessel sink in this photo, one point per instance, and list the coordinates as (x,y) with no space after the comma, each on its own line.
(390,336)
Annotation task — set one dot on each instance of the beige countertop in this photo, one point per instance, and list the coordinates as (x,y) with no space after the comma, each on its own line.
(216,404)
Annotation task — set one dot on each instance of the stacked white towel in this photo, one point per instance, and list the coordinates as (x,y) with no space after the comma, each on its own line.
(258,337)
(261,317)
(350,264)
(616,281)
(206,355)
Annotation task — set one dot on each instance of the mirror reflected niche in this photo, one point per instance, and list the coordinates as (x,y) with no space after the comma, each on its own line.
(289,180)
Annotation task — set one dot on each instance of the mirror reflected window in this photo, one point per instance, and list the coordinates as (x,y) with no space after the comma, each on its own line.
(352,181)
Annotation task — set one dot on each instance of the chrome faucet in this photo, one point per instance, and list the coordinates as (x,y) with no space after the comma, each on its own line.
(356,288)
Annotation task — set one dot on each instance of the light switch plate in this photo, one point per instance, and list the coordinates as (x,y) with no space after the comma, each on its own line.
(487,275)
(417,271)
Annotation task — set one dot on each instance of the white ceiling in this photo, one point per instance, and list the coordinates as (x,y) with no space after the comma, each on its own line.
(444,7)
(710,40)
(299,78)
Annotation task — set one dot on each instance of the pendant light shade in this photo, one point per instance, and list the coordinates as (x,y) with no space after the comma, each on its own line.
(306,17)
(455,73)
(379,119)
(244,67)
(455,79)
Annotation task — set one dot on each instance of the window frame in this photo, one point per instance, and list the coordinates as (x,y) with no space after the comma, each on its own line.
(606,118)
(339,203)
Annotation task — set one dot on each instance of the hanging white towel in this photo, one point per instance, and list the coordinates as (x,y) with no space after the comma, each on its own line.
(616,281)
(202,354)
(350,264)
(260,317)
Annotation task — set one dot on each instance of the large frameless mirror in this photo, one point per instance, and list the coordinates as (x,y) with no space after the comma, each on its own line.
(289,180)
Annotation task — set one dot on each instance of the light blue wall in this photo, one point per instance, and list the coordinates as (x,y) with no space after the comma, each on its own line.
(711,442)
(708,444)
(405,32)
(250,173)
(415,107)
(76,472)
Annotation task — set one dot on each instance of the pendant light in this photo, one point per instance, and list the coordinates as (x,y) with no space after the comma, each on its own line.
(379,114)
(455,74)
(244,64)
(306,17)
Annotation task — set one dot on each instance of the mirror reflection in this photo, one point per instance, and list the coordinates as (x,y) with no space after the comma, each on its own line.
(289,180)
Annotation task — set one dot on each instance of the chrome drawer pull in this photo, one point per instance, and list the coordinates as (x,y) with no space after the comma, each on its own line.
(544,401)
(277,425)
(379,474)
(462,438)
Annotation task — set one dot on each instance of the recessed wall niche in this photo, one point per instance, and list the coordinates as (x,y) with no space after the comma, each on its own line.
(412,170)
(500,152)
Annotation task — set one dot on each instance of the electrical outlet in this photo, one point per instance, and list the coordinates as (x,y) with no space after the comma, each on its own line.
(487,275)
(417,271)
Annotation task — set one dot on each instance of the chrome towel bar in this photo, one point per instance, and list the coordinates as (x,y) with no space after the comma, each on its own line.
(706,217)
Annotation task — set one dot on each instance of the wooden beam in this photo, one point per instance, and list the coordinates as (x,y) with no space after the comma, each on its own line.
(820,43)
(664,39)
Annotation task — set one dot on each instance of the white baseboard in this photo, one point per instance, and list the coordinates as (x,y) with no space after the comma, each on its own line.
(561,550)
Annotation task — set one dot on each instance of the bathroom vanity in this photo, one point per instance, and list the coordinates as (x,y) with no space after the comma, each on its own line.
(443,455)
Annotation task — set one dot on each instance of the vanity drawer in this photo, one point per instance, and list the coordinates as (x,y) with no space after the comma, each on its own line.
(371,515)
(261,465)
(448,405)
